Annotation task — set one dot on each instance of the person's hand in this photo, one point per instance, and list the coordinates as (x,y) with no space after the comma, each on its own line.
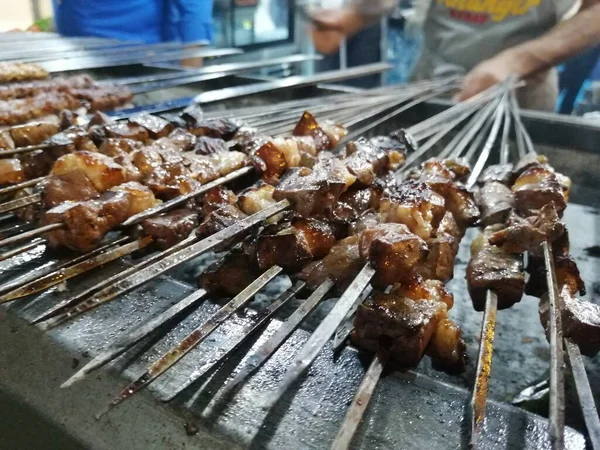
(488,73)
(326,41)
(329,27)
(192,62)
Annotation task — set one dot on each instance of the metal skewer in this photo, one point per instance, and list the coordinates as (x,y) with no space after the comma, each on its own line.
(161,263)
(359,403)
(484,367)
(194,338)
(584,392)
(87,306)
(54,267)
(557,374)
(63,274)
(22,249)
(347,326)
(19,203)
(24,184)
(30,234)
(271,345)
(321,335)
(488,324)
(222,354)
(122,345)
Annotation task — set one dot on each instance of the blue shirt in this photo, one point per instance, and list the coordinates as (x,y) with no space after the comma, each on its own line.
(148,21)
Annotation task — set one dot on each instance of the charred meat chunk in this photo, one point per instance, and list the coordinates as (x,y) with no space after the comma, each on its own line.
(71,140)
(71,186)
(140,197)
(215,128)
(580,321)
(220,219)
(100,118)
(66,119)
(156,126)
(354,202)
(127,130)
(496,202)
(402,326)
(33,133)
(230,275)
(101,170)
(366,161)
(393,146)
(522,235)
(207,146)
(415,204)
(172,227)
(315,191)
(393,251)
(183,139)
(255,199)
(566,270)
(295,246)
(342,263)
(535,188)
(443,249)
(217,197)
(86,223)
(447,350)
(11,171)
(527,162)
(308,126)
(458,199)
(193,114)
(497,173)
(493,268)
(270,162)
(210,167)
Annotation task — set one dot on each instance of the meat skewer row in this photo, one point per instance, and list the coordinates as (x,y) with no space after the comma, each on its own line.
(542,224)
(383,244)
(59,84)
(251,201)
(59,217)
(96,98)
(10,72)
(104,132)
(541,197)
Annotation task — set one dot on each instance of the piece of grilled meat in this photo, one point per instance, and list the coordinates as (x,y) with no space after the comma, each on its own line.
(493,268)
(580,321)
(296,245)
(86,223)
(496,201)
(410,321)
(171,227)
(230,275)
(528,234)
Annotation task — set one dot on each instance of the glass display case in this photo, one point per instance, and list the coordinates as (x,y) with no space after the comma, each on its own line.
(253,23)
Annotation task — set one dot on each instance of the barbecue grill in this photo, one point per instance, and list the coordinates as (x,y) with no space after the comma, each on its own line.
(411,410)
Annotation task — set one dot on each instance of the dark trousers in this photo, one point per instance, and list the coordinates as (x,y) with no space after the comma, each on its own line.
(362,48)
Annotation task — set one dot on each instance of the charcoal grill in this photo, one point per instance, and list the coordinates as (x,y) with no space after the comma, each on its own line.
(414,410)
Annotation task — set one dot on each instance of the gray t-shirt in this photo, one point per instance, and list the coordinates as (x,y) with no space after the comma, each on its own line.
(458,34)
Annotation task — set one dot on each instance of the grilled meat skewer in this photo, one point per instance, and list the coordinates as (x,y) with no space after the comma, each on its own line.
(21,72)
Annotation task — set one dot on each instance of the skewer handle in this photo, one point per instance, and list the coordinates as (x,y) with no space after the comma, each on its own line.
(359,403)
(557,374)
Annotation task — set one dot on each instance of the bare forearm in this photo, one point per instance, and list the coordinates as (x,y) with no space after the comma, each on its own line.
(559,44)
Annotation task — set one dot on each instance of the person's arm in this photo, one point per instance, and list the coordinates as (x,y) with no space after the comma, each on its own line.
(330,27)
(525,60)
